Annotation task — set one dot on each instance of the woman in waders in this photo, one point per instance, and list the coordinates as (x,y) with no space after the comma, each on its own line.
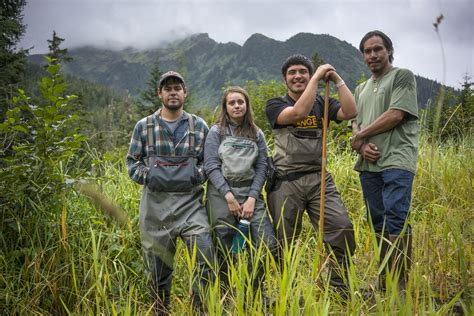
(235,156)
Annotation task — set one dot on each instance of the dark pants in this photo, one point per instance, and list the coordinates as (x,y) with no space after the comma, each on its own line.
(387,196)
(288,201)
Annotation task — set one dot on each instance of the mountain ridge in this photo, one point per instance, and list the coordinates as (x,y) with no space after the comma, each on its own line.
(208,65)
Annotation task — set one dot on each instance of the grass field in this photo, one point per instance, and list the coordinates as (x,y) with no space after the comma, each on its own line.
(85,263)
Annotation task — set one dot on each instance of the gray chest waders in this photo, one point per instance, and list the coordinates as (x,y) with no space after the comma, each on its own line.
(169,199)
(297,150)
(237,155)
(171,207)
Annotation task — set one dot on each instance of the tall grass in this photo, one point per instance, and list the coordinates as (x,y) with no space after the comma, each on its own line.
(89,264)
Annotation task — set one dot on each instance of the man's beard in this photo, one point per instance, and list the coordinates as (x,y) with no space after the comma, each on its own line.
(173,107)
(295,90)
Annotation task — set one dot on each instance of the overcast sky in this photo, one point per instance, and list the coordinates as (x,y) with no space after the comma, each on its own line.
(149,23)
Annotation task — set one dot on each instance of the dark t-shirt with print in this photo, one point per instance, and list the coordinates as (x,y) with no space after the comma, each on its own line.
(314,119)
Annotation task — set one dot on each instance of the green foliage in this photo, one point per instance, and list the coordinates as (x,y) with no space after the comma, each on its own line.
(106,116)
(361,79)
(110,125)
(149,100)
(452,117)
(318,61)
(56,53)
(40,140)
(12,60)
(259,95)
(98,269)
(39,158)
(207,114)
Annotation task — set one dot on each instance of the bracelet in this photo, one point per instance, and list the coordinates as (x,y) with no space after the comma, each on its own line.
(340,84)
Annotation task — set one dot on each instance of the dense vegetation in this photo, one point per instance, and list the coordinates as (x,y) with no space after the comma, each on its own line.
(69,213)
(12,59)
(63,253)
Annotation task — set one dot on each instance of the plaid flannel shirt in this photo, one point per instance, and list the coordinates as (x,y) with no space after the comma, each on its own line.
(166,144)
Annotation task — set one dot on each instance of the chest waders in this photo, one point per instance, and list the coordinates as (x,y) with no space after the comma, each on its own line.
(238,156)
(171,207)
(297,151)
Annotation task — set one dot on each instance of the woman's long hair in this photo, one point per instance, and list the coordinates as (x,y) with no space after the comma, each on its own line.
(247,128)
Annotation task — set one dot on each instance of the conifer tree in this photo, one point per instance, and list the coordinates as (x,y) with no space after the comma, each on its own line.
(12,59)
(318,61)
(56,53)
(149,100)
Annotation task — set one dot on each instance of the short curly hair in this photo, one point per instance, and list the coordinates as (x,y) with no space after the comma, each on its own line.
(297,59)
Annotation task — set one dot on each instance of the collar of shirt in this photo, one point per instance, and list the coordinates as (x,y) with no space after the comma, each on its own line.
(172,143)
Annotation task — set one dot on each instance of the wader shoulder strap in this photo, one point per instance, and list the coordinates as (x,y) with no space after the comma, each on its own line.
(192,137)
(151,135)
(150,132)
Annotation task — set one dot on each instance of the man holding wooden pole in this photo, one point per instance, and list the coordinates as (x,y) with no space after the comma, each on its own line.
(297,122)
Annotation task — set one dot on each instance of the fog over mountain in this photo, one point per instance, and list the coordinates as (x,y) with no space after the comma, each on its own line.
(145,24)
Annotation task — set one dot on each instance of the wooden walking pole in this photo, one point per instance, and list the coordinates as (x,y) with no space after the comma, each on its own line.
(323,163)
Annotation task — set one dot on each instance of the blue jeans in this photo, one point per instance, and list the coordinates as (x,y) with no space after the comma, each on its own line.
(387,196)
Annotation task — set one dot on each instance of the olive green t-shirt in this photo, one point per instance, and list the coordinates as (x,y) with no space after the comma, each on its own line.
(399,146)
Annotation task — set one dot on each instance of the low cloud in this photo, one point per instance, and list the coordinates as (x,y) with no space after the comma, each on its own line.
(146,24)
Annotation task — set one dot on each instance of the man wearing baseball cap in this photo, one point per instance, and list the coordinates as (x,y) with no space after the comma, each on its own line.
(166,155)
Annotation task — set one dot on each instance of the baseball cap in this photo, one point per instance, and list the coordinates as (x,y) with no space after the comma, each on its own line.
(170,74)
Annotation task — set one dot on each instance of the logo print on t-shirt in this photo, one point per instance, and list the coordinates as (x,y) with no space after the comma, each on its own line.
(308,122)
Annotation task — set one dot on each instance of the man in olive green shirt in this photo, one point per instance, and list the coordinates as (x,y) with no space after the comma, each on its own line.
(385,134)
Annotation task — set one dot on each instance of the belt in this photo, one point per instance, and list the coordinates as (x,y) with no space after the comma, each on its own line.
(240,184)
(294,175)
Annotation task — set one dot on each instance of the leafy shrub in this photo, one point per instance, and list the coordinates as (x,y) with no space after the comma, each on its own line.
(40,141)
